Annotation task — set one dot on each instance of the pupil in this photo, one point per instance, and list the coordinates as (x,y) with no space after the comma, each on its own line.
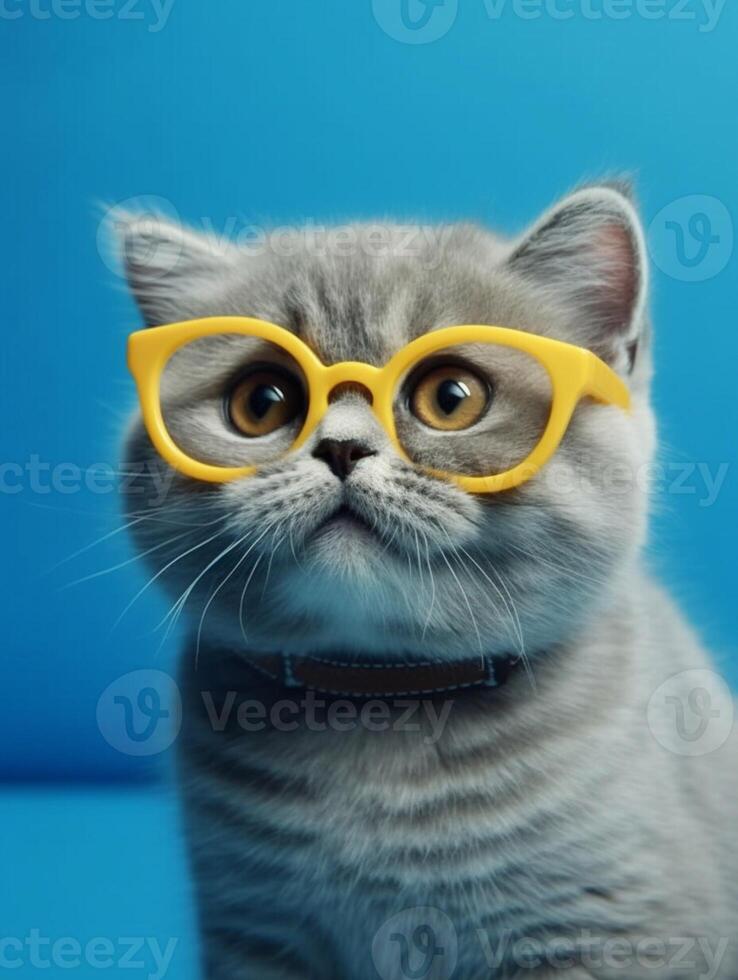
(264,397)
(450,394)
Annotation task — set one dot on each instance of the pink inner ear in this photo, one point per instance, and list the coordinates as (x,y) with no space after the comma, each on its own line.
(616,258)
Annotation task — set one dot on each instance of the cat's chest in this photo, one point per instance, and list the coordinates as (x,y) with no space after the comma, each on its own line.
(412,810)
(362,823)
(406,796)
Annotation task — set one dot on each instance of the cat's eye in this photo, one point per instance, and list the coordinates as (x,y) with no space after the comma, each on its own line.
(264,401)
(450,397)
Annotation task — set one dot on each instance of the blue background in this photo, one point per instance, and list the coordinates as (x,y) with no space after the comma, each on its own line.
(273,112)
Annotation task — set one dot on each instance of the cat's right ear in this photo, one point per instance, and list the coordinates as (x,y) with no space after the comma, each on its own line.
(587,257)
(172,272)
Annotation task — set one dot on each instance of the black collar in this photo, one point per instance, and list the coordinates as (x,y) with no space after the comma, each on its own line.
(384,680)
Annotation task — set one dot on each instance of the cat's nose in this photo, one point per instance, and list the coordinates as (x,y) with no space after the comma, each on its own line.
(341,455)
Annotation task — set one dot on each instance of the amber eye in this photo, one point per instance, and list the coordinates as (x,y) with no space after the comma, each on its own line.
(264,401)
(449,397)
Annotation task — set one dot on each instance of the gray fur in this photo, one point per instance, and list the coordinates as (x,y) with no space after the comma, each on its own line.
(546,807)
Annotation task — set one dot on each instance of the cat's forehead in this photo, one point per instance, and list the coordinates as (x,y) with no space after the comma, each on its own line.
(356,308)
(354,300)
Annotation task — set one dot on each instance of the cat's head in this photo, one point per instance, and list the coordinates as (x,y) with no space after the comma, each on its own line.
(380,557)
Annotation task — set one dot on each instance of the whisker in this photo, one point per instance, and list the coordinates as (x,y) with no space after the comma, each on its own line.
(123,564)
(179,605)
(207,605)
(468,606)
(137,517)
(182,600)
(93,544)
(292,548)
(433,586)
(243,597)
(166,567)
(509,607)
(269,566)
(240,561)
(560,568)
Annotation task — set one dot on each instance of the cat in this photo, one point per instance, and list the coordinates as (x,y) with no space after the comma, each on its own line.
(533,828)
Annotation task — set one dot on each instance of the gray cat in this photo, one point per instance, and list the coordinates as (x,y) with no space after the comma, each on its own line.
(541,827)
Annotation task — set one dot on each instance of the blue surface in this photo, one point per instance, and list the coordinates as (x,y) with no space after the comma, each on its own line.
(94,864)
(270,111)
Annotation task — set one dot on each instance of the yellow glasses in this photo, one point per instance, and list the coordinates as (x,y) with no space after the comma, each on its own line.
(483,406)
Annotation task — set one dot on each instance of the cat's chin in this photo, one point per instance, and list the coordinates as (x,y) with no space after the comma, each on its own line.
(345,554)
(343,526)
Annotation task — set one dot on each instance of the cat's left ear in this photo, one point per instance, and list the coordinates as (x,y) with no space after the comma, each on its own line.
(173,272)
(587,257)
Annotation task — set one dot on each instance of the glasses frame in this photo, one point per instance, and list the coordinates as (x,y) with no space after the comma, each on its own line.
(575,373)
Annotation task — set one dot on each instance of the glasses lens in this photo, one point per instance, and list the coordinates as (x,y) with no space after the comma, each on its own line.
(232,400)
(473,409)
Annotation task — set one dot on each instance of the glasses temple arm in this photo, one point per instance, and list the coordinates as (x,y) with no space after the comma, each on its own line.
(603,384)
